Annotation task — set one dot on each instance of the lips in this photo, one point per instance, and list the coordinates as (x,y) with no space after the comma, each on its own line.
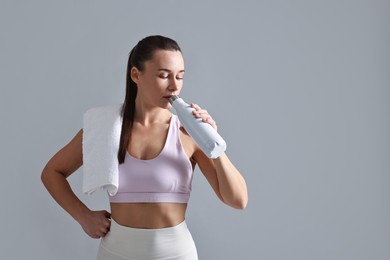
(167,96)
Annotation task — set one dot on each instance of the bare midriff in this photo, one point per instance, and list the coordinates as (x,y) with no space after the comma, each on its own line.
(148,215)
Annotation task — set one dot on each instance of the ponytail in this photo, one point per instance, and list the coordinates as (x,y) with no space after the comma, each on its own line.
(127,112)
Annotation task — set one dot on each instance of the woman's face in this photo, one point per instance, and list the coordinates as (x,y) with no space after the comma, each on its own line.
(161,78)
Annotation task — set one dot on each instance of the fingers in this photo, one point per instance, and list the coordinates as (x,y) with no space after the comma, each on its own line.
(107,214)
(103,231)
(98,224)
(204,115)
(106,223)
(199,112)
(100,232)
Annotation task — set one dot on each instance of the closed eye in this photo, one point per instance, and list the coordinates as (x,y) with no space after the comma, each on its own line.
(167,76)
(166,73)
(180,76)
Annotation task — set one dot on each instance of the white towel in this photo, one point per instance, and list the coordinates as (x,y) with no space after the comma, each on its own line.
(101,137)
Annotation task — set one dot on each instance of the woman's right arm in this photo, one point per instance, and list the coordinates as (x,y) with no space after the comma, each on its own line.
(65,162)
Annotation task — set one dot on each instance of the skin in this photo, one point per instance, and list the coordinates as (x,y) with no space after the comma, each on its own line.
(162,76)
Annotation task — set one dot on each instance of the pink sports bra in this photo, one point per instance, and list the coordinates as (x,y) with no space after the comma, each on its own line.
(165,178)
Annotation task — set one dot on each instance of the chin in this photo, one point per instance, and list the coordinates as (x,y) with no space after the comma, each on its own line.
(165,106)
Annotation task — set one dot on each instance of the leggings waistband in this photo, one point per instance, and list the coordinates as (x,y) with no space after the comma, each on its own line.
(137,243)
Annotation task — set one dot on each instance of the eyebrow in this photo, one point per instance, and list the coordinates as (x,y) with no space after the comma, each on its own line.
(167,70)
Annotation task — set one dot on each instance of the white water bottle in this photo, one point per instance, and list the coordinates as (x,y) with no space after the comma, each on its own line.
(211,143)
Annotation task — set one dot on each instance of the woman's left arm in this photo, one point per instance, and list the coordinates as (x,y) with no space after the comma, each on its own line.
(226,181)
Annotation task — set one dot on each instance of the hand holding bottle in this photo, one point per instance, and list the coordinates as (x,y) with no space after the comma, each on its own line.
(200,126)
(204,115)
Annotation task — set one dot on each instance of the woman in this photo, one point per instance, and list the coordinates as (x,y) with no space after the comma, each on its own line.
(147,219)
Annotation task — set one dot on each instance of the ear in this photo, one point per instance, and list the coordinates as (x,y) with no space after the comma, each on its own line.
(134,74)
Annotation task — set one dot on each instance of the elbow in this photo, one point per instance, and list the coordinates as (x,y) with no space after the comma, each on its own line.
(44,177)
(241,200)
(239,203)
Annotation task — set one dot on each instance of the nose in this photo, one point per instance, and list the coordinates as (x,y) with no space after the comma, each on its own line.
(174,85)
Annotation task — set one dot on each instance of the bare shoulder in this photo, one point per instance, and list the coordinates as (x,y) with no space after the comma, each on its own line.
(69,158)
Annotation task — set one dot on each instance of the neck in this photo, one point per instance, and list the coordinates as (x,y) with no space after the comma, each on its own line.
(146,115)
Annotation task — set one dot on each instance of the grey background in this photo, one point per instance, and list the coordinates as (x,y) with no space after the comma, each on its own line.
(299,89)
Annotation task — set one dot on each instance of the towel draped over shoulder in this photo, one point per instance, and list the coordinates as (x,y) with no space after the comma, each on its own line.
(101,137)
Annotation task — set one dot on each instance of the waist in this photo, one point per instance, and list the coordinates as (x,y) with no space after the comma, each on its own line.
(148,215)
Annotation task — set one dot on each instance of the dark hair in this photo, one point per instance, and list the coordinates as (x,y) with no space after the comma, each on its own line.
(142,52)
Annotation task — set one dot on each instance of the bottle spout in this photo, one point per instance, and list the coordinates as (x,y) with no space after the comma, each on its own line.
(173,98)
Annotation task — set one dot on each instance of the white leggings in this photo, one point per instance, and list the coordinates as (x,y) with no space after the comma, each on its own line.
(173,243)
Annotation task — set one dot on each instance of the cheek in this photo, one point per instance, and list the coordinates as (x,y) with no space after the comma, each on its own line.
(180,85)
(153,85)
